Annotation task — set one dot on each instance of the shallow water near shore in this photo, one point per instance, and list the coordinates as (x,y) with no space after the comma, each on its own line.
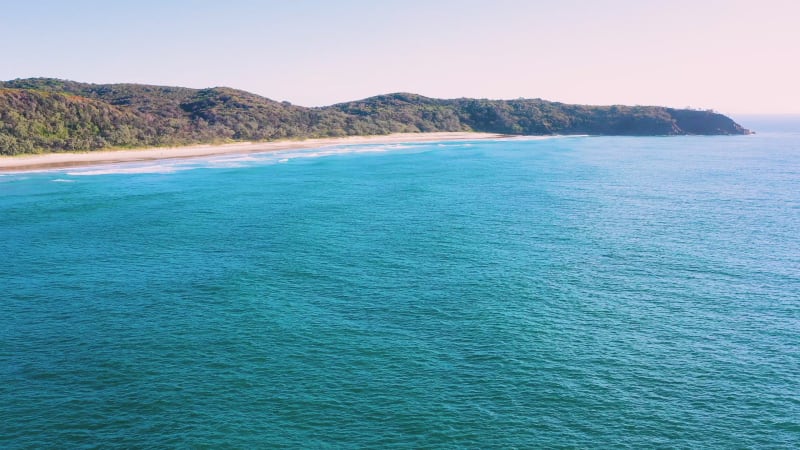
(577,292)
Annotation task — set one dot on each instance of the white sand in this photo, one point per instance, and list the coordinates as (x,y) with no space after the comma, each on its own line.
(60,160)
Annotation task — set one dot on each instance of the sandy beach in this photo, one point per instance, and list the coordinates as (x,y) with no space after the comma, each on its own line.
(64,160)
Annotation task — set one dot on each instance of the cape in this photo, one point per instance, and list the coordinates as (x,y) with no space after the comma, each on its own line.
(50,115)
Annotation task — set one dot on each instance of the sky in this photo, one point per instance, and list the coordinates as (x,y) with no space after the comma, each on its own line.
(735,56)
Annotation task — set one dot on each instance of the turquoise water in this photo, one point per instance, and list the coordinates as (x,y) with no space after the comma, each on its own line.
(567,292)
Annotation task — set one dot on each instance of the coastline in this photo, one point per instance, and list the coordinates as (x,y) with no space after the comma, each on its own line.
(49,161)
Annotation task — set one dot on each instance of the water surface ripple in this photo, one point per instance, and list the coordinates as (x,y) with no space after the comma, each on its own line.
(577,292)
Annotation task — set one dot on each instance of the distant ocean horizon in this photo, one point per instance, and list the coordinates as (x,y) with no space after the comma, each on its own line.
(507,293)
(769,123)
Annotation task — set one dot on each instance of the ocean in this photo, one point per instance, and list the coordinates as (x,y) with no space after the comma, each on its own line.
(625,292)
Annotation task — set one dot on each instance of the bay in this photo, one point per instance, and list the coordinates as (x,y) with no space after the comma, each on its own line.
(558,292)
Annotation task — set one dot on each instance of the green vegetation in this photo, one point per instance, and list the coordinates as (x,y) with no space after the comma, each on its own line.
(50,115)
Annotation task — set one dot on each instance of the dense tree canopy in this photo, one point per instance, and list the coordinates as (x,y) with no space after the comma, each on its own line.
(50,115)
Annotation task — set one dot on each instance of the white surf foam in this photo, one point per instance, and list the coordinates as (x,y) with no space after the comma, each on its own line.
(237,161)
(543,138)
(124,169)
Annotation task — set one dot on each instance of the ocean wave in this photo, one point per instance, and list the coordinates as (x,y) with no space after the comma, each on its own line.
(237,161)
(125,169)
(544,138)
(348,149)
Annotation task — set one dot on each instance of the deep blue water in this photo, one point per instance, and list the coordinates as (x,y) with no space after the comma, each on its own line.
(569,292)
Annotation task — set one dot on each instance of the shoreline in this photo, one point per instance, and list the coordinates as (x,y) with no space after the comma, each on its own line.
(50,161)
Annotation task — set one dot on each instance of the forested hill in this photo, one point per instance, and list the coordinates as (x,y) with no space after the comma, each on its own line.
(50,115)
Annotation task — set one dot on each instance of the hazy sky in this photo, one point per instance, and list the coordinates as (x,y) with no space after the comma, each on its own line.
(733,56)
